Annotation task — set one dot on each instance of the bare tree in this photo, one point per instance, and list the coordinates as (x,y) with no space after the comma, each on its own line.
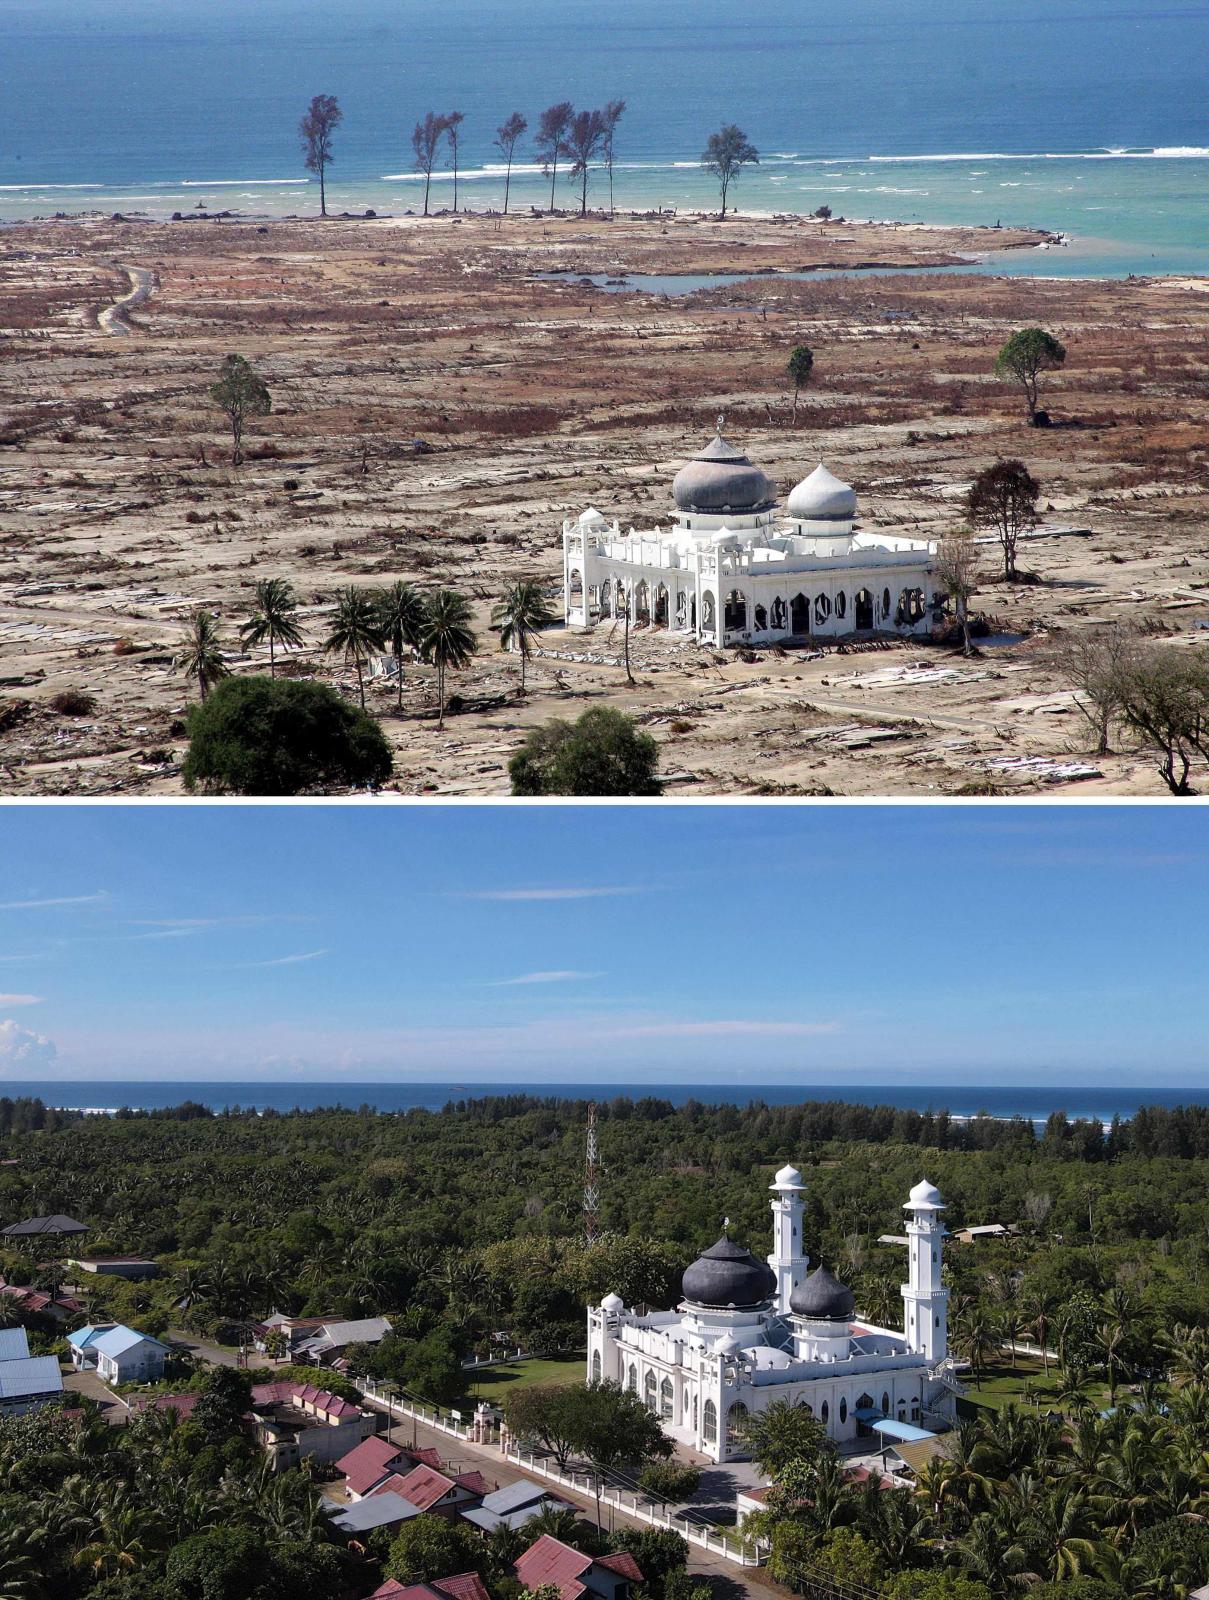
(507,137)
(551,133)
(957,571)
(611,116)
(726,154)
(1004,497)
(1037,1206)
(1165,698)
(323,117)
(1096,660)
(241,393)
(453,121)
(583,143)
(426,142)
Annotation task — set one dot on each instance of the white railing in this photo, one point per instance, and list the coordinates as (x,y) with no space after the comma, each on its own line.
(397,1406)
(721,1544)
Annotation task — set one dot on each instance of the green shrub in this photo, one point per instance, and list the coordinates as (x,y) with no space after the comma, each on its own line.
(602,754)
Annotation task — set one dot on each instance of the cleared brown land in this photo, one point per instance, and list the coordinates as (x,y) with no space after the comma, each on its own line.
(119,512)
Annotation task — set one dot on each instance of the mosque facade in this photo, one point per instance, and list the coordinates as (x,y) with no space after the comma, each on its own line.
(748,1332)
(732,569)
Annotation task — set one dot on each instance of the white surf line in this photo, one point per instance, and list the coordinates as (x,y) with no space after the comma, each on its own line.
(115,319)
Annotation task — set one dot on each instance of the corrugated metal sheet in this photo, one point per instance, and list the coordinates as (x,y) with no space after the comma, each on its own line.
(14,1346)
(33,1376)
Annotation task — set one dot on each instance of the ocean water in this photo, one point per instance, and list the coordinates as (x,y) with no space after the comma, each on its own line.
(1033,1102)
(1081,116)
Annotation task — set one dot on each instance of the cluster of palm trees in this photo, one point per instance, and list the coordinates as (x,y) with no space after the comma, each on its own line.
(436,628)
(107,1503)
(1018,1498)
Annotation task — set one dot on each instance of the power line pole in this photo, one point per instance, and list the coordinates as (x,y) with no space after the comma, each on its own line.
(591,1179)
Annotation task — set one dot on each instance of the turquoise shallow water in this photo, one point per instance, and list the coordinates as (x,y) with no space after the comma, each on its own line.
(1082,116)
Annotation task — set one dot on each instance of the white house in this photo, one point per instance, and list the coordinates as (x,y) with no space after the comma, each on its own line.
(731,569)
(26,1382)
(748,1332)
(119,1354)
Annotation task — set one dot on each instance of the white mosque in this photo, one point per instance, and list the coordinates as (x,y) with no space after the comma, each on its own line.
(747,1333)
(734,570)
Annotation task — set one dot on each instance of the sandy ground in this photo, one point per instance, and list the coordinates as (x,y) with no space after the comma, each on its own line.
(438,409)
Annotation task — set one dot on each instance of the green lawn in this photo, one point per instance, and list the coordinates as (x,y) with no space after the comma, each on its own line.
(1025,1384)
(494,1383)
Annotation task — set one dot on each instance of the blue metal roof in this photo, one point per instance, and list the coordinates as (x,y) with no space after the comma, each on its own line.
(83,1337)
(116,1341)
(14,1346)
(35,1375)
(904,1432)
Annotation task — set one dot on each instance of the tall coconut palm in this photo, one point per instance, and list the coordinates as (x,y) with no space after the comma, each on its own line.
(356,632)
(201,655)
(401,614)
(446,638)
(272,617)
(519,617)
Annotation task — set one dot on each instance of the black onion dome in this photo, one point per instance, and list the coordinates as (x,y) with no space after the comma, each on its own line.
(727,1275)
(823,1297)
(721,478)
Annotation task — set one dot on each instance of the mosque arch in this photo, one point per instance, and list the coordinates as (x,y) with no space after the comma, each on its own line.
(708,604)
(606,599)
(761,619)
(886,604)
(862,611)
(799,614)
(661,606)
(681,608)
(886,1401)
(631,1381)
(841,606)
(736,1418)
(864,1403)
(736,610)
(597,1371)
(843,1409)
(822,610)
(910,607)
(666,1399)
(649,1390)
(777,614)
(709,1422)
(642,601)
(576,587)
(824,1413)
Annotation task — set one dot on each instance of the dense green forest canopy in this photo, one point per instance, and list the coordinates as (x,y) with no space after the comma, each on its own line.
(472,1214)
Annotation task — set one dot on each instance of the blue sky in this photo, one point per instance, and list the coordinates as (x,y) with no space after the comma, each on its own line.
(761,944)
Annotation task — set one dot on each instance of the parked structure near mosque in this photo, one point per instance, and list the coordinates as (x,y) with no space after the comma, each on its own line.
(749,1332)
(732,569)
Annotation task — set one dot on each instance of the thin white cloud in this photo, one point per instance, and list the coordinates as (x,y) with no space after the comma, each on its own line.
(568,976)
(284,961)
(734,1026)
(21,1047)
(20,999)
(58,900)
(574,892)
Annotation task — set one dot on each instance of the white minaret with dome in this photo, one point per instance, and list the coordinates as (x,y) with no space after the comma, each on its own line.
(788,1259)
(925,1299)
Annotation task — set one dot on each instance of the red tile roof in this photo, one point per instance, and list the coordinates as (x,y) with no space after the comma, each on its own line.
(474,1481)
(369,1463)
(303,1394)
(390,1485)
(428,1455)
(623,1564)
(552,1561)
(463,1586)
(424,1487)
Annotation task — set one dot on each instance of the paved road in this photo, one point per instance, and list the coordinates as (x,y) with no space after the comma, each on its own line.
(726,1581)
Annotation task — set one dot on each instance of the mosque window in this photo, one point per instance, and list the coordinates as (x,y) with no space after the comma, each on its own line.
(843,1410)
(761,618)
(885,602)
(709,1422)
(596,1371)
(632,1379)
(824,1413)
(649,1394)
(841,604)
(822,609)
(666,1393)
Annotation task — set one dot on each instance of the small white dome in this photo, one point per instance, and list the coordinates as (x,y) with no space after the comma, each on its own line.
(729,1346)
(925,1197)
(787,1178)
(822,497)
(591,518)
(612,1303)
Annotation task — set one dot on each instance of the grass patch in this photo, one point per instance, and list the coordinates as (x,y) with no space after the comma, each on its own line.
(1025,1385)
(493,1384)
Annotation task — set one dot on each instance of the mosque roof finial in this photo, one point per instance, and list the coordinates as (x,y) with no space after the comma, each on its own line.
(721,422)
